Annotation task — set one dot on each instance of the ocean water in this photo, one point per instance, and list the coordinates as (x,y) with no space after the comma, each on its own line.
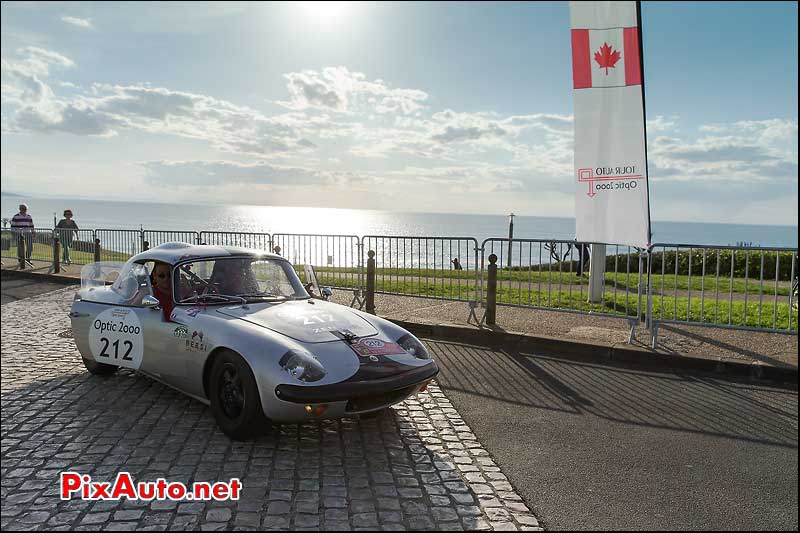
(94,214)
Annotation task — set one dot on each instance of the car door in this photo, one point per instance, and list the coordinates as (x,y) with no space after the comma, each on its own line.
(164,344)
(108,320)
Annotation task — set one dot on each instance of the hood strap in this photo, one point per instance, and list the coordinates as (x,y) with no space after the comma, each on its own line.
(346,335)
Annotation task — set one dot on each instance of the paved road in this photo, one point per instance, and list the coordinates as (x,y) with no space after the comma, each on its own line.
(586,446)
(604,447)
(419,467)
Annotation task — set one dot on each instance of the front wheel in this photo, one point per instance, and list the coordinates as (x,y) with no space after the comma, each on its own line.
(234,398)
(98,369)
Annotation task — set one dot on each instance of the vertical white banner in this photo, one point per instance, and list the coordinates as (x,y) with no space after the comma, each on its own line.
(611,202)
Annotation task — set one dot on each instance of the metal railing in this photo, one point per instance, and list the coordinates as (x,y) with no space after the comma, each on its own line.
(747,288)
(258,241)
(119,244)
(156,237)
(80,244)
(700,285)
(8,244)
(443,268)
(38,243)
(554,274)
(337,259)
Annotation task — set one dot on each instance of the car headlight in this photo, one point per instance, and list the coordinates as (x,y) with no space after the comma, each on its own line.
(302,366)
(410,344)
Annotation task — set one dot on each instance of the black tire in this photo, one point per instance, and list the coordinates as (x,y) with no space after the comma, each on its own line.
(234,398)
(98,369)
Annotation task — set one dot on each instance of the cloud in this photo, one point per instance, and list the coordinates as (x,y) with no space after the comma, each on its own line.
(32,61)
(557,124)
(67,119)
(220,173)
(81,23)
(108,109)
(25,88)
(716,149)
(660,124)
(30,105)
(340,90)
(311,89)
(744,151)
(471,133)
(451,136)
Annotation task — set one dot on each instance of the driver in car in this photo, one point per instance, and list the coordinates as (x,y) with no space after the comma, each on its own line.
(161,280)
(234,277)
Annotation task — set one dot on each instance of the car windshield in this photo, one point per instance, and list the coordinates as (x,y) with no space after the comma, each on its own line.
(232,279)
(129,283)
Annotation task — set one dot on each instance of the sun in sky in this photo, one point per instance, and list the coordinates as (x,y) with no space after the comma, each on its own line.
(326,14)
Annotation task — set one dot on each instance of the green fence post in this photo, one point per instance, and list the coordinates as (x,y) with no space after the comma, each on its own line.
(21,249)
(56,254)
(371,282)
(491,291)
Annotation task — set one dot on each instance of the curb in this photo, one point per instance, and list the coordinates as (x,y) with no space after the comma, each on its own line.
(599,352)
(577,350)
(41,276)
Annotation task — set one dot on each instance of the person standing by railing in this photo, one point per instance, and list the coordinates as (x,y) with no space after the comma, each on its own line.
(22,223)
(67,230)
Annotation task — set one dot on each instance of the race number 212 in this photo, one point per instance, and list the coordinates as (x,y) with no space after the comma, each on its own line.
(127,346)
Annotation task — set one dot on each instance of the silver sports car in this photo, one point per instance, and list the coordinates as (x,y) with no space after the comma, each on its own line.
(236,329)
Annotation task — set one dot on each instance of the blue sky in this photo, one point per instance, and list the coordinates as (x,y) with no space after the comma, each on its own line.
(456,107)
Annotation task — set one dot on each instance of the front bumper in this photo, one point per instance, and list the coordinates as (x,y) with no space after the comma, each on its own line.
(353,390)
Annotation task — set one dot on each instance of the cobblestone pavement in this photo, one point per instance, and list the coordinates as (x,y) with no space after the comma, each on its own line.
(419,467)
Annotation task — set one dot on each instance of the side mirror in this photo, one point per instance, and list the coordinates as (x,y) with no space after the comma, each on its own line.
(150,301)
(327,292)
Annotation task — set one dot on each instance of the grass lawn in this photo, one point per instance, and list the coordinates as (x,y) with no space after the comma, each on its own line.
(44,252)
(662,283)
(623,303)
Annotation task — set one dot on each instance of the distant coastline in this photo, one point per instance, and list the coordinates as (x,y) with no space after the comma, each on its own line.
(106,214)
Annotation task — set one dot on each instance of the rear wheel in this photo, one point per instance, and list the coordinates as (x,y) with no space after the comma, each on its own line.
(234,398)
(98,369)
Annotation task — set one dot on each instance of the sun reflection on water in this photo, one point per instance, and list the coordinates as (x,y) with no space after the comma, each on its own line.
(307,220)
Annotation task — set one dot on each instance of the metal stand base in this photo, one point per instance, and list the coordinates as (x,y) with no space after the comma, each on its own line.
(358,297)
(473,314)
(654,335)
(632,323)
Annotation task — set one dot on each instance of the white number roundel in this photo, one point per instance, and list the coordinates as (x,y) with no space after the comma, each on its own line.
(116,338)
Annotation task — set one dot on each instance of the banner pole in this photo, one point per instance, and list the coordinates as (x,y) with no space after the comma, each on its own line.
(644,115)
(634,322)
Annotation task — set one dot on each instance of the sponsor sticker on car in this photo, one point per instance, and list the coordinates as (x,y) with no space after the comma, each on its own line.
(369,347)
(196,343)
(116,338)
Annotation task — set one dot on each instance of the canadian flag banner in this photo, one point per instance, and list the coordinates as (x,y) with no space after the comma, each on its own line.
(612,197)
(605,58)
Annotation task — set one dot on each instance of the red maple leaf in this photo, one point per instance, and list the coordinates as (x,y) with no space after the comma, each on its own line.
(605,58)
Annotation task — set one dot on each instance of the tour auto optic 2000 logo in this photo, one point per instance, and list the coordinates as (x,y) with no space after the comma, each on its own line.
(622,178)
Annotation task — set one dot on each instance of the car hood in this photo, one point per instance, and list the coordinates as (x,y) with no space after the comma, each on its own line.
(307,321)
